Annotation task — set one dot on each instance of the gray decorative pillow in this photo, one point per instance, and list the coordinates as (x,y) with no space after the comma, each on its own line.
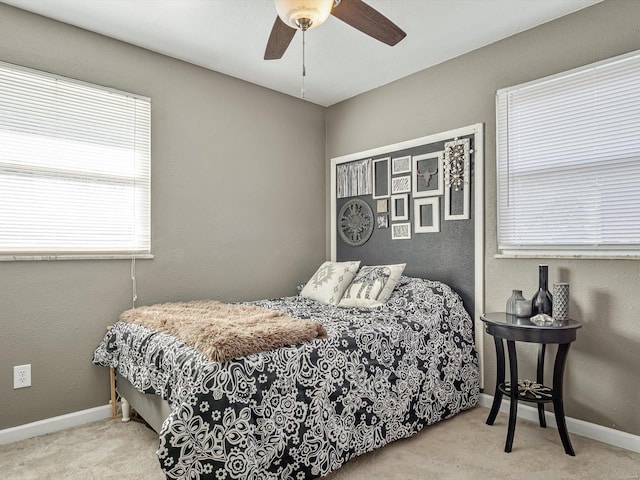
(330,281)
(372,286)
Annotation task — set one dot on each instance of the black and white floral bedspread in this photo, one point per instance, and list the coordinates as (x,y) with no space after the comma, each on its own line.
(302,411)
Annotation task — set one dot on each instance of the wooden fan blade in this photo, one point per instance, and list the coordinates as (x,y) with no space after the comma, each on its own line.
(279,40)
(368,20)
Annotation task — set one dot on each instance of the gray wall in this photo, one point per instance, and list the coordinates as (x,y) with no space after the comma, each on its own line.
(602,377)
(225,169)
(219,142)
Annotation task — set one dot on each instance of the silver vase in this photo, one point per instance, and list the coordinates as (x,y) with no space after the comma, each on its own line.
(516,295)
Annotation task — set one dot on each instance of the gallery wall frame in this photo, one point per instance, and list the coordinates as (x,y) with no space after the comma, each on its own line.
(401,184)
(457,176)
(401,231)
(433,206)
(399,207)
(401,165)
(354,179)
(381,167)
(428,171)
(382,221)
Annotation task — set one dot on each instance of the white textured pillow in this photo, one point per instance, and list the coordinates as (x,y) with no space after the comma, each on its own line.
(330,281)
(372,286)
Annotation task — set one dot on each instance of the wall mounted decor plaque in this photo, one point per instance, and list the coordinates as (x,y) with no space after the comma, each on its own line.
(400,184)
(457,173)
(382,221)
(401,231)
(355,222)
(428,176)
(354,179)
(456,163)
(401,165)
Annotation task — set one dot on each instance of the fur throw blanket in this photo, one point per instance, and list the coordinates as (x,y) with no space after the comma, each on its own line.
(223,331)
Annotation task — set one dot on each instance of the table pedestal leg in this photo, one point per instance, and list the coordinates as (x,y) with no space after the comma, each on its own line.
(513,410)
(497,396)
(540,380)
(558,403)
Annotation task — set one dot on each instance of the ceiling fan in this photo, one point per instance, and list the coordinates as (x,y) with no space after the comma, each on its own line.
(302,15)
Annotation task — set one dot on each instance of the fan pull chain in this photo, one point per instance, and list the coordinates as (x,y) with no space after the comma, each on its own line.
(304,68)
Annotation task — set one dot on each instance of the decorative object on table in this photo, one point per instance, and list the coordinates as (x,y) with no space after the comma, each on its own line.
(381,206)
(457,175)
(382,221)
(426,215)
(560,301)
(354,179)
(512,300)
(523,308)
(530,389)
(400,184)
(428,176)
(401,231)
(355,222)
(401,165)
(542,319)
(542,301)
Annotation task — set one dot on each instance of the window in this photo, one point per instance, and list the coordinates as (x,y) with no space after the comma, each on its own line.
(74,168)
(568,162)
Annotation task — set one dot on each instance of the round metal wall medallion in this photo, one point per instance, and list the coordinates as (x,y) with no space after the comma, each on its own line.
(355,222)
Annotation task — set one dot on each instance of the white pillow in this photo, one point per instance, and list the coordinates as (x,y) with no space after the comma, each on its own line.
(372,286)
(330,281)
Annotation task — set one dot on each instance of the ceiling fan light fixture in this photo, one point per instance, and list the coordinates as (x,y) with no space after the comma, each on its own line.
(304,14)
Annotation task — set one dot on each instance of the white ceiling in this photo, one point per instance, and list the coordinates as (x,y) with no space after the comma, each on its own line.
(230,36)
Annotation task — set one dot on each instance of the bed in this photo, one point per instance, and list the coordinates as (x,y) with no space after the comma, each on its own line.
(302,411)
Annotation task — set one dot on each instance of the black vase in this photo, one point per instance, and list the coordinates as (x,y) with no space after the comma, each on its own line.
(542,302)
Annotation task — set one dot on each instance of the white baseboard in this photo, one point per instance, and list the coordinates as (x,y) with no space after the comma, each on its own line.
(54,424)
(579,427)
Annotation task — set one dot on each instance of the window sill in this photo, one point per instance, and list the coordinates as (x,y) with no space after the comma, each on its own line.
(570,255)
(20,258)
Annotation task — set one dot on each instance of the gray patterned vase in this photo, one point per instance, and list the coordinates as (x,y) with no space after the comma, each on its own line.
(560,301)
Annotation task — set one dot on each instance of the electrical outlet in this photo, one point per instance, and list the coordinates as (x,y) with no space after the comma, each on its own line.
(21,376)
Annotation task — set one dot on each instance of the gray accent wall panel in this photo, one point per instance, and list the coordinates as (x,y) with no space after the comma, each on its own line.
(447,256)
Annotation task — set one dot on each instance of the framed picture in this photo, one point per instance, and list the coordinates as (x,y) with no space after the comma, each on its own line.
(399,207)
(426,215)
(456,203)
(382,206)
(457,179)
(381,177)
(401,165)
(354,179)
(401,231)
(400,184)
(428,175)
(382,221)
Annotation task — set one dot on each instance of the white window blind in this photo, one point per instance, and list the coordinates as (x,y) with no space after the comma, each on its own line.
(568,161)
(74,167)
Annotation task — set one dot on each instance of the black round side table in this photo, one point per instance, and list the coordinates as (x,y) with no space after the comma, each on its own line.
(502,326)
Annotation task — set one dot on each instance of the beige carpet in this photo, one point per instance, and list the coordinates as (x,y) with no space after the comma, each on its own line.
(460,448)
